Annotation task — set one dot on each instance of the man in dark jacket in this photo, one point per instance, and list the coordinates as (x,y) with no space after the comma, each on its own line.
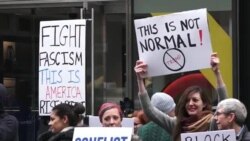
(8,123)
(231,114)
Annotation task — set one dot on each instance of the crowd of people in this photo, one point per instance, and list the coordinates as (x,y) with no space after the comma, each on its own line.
(160,119)
(193,111)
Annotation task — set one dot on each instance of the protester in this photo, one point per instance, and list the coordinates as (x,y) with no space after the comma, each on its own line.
(110,115)
(8,123)
(231,114)
(193,110)
(151,131)
(63,119)
(140,119)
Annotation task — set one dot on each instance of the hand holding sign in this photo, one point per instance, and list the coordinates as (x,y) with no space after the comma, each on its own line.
(215,62)
(140,69)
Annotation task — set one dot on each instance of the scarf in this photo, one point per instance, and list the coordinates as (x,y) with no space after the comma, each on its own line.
(197,123)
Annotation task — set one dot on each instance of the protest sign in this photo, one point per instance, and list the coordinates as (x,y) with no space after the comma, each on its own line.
(61,63)
(174,43)
(220,135)
(102,134)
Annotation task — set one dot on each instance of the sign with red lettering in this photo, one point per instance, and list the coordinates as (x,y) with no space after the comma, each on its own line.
(174,43)
(61,63)
(220,135)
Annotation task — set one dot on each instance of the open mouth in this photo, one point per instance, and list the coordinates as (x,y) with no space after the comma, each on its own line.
(192,109)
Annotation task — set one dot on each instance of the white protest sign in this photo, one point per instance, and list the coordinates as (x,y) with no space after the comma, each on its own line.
(102,134)
(220,135)
(61,63)
(174,43)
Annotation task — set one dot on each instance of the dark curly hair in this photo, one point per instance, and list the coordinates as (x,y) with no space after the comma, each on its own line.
(72,112)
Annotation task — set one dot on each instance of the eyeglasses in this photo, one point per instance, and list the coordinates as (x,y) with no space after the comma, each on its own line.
(218,113)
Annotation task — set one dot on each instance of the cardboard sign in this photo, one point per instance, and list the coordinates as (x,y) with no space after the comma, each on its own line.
(220,135)
(174,43)
(61,63)
(102,134)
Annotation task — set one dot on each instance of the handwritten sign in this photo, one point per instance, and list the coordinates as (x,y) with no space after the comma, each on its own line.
(174,43)
(102,134)
(61,63)
(220,135)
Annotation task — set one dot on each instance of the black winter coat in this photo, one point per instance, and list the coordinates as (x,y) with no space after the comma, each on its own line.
(8,127)
(62,136)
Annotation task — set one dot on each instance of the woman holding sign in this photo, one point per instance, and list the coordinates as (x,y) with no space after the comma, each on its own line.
(193,110)
(63,118)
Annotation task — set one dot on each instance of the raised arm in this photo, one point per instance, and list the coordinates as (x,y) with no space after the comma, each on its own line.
(221,87)
(152,113)
(140,70)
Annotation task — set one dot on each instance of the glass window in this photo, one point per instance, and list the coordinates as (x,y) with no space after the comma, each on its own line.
(19,31)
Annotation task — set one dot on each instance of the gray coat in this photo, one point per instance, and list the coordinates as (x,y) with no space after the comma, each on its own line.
(244,135)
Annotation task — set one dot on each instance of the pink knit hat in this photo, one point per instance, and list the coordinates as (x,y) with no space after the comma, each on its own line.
(107,106)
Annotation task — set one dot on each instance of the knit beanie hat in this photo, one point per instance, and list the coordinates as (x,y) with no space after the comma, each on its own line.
(3,94)
(107,106)
(163,102)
